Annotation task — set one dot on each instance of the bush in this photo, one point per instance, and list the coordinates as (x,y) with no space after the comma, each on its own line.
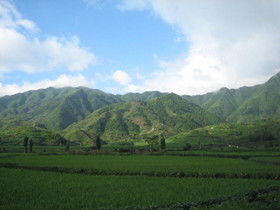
(187,147)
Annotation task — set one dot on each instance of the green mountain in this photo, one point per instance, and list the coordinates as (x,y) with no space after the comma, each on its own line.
(231,135)
(225,101)
(264,104)
(87,112)
(55,108)
(12,132)
(246,104)
(168,114)
(145,96)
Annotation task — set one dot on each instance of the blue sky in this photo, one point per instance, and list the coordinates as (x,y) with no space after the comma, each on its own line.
(187,47)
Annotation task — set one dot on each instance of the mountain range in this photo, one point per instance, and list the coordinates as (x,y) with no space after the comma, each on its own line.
(169,114)
(80,113)
(246,104)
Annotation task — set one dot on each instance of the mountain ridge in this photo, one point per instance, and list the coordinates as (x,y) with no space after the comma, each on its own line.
(168,114)
(58,108)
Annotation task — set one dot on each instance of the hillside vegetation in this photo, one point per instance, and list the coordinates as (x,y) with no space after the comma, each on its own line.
(57,108)
(12,132)
(246,104)
(169,115)
(81,114)
(233,135)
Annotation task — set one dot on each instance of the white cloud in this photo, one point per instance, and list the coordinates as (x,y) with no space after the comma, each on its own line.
(21,50)
(61,81)
(232,43)
(121,77)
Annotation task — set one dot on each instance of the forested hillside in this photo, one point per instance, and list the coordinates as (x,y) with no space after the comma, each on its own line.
(12,132)
(232,135)
(55,108)
(83,113)
(169,115)
(246,104)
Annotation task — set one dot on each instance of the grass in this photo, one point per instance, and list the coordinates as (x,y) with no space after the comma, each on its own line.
(38,149)
(231,154)
(23,189)
(165,165)
(263,134)
(267,160)
(266,201)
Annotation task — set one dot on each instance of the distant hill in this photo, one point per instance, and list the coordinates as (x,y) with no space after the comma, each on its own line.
(12,132)
(259,134)
(82,113)
(246,104)
(55,108)
(225,101)
(168,114)
(264,104)
(148,95)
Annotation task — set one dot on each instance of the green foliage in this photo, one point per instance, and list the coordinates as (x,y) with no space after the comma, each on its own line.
(265,104)
(30,144)
(231,135)
(13,132)
(162,142)
(189,166)
(225,101)
(25,143)
(246,104)
(83,113)
(98,143)
(74,191)
(168,115)
(187,147)
(148,95)
(67,148)
(54,108)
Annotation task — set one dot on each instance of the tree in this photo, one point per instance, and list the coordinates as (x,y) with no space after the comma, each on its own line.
(153,142)
(131,144)
(162,142)
(67,148)
(30,145)
(98,143)
(187,146)
(25,143)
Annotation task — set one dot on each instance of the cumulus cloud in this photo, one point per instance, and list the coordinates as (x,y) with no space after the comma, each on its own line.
(121,77)
(232,43)
(21,50)
(61,81)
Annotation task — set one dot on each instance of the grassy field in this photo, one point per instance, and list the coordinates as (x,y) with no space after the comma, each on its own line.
(22,189)
(166,165)
(64,181)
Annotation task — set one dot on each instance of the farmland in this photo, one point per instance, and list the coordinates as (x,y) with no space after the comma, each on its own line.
(137,181)
(158,165)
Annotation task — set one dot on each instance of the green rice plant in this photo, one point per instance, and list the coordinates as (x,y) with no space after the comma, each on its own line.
(25,189)
(153,165)
(267,160)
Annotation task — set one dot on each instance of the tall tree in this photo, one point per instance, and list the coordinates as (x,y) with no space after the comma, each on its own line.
(30,145)
(25,144)
(162,142)
(98,143)
(67,148)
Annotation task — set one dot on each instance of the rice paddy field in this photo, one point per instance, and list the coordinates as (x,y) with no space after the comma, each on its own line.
(195,181)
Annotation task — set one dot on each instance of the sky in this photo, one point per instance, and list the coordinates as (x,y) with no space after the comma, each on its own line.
(119,46)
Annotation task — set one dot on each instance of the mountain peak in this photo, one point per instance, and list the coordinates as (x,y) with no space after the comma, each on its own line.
(224,89)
